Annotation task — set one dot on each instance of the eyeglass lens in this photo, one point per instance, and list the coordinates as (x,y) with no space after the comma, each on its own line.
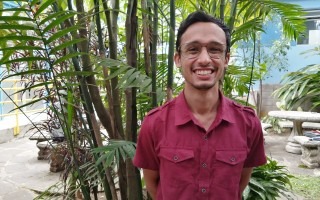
(193,50)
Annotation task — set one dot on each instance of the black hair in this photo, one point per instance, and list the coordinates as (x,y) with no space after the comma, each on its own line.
(200,16)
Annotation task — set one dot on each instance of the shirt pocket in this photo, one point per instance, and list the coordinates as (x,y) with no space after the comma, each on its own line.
(228,167)
(176,166)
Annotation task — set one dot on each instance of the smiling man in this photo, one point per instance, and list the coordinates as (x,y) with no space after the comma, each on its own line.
(201,145)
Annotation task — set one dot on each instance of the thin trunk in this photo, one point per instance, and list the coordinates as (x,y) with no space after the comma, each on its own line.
(233,15)
(133,175)
(114,100)
(102,53)
(115,105)
(222,8)
(171,49)
(94,92)
(146,37)
(259,103)
(154,53)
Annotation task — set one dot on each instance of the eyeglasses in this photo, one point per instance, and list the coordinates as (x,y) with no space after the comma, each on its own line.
(193,50)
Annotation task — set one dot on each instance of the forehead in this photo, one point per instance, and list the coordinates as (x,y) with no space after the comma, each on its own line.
(203,32)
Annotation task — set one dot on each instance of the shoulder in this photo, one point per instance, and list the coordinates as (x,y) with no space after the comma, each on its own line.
(160,109)
(244,109)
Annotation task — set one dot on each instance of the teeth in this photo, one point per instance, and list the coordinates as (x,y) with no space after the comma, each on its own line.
(203,72)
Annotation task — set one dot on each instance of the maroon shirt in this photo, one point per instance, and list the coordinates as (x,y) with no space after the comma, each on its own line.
(194,163)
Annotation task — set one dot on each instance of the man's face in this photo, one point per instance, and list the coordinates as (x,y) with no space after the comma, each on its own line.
(202,56)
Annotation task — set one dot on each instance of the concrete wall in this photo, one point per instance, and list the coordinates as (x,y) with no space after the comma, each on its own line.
(268,102)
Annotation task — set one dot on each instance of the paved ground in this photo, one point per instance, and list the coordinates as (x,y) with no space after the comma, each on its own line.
(21,174)
(275,148)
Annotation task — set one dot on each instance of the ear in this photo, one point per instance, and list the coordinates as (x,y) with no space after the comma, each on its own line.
(177,59)
(226,61)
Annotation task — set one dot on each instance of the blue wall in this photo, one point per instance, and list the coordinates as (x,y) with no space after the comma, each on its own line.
(295,58)
(305,4)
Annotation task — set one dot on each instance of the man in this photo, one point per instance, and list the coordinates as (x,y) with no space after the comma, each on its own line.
(200,145)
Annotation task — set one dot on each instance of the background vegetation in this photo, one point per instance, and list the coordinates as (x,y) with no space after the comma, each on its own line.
(100,66)
(306,186)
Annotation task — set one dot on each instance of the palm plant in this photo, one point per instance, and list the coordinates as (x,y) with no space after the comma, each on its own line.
(84,64)
(268,182)
(301,86)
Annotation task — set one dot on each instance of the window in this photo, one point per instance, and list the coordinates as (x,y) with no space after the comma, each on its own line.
(312,33)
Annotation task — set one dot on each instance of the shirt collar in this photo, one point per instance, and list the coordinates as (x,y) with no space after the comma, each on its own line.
(184,115)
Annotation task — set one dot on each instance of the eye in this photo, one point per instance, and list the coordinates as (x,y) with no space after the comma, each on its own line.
(214,50)
(192,50)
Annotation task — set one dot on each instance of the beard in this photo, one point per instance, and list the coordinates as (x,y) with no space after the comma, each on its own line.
(204,87)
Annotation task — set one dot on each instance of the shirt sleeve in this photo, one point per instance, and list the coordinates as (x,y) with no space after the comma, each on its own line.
(145,156)
(256,155)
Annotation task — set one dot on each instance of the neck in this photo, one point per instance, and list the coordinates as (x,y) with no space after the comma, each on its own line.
(202,102)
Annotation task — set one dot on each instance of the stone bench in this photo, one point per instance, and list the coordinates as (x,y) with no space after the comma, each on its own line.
(43,144)
(305,125)
(264,127)
(40,137)
(310,151)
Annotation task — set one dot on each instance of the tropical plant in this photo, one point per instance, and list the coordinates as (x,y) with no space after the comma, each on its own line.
(98,75)
(268,182)
(301,86)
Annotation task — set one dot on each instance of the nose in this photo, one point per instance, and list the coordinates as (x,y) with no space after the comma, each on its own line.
(204,57)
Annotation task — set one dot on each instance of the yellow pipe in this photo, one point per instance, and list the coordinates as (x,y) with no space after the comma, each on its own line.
(16,130)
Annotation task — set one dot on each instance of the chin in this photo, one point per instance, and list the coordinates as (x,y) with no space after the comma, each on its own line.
(204,87)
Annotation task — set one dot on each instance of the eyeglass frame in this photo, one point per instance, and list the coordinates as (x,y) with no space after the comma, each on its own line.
(203,45)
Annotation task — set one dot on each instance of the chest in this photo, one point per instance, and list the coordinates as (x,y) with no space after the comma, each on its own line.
(205,120)
(222,136)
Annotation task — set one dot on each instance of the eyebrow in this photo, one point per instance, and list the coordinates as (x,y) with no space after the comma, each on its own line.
(212,42)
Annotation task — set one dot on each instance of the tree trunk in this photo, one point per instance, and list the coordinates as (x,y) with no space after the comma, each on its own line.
(233,15)
(133,175)
(222,8)
(154,53)
(95,94)
(146,37)
(171,49)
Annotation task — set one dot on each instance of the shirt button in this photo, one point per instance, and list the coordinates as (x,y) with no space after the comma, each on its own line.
(203,190)
(205,137)
(175,158)
(232,159)
(204,165)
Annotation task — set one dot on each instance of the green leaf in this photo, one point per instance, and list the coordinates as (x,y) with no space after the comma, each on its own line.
(30,103)
(47,83)
(62,33)
(25,59)
(70,109)
(65,44)
(36,71)
(20,38)
(58,21)
(67,57)
(75,73)
(44,5)
(20,47)
(117,72)
(14,18)
(111,62)
(16,27)
(14,9)
(114,150)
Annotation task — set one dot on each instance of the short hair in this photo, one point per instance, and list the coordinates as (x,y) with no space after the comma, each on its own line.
(200,16)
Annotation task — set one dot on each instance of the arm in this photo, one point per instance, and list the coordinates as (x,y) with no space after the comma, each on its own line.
(245,178)
(151,178)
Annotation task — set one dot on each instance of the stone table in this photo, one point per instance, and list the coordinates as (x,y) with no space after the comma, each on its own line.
(297,117)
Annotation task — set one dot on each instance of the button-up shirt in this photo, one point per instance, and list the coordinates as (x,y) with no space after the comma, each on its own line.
(194,163)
